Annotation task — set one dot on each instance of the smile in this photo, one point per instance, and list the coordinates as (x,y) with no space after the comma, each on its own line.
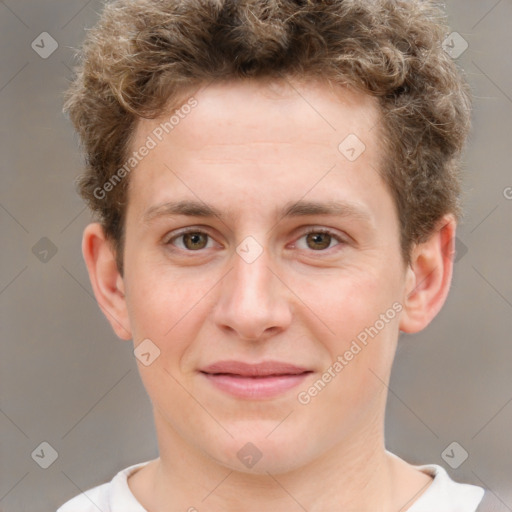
(254,381)
(255,387)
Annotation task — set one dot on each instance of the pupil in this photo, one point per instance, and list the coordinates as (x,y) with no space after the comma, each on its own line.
(317,238)
(194,238)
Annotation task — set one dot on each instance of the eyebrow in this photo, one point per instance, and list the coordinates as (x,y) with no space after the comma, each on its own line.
(301,208)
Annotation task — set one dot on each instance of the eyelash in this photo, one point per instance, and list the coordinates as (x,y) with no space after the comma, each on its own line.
(326,231)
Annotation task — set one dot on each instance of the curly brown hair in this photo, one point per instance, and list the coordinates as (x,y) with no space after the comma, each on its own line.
(144,56)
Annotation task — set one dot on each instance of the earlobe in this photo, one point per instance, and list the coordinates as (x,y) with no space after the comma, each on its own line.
(429,277)
(106,281)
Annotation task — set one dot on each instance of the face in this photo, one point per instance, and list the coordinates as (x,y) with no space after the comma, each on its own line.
(262,249)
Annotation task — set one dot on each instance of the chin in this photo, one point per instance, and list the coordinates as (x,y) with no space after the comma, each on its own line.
(256,454)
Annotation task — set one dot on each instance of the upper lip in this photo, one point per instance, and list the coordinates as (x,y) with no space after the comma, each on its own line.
(263,369)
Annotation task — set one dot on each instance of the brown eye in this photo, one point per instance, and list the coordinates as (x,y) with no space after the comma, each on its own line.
(193,241)
(190,241)
(318,241)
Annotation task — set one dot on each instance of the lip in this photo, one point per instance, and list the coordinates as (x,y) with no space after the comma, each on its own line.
(254,381)
(263,369)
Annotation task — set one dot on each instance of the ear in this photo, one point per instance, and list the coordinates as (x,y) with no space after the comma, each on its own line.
(429,276)
(107,283)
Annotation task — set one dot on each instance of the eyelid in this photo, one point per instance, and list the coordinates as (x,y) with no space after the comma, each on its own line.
(169,237)
(341,239)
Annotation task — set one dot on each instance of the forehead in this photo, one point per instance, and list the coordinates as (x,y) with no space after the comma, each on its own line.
(255,134)
(310,110)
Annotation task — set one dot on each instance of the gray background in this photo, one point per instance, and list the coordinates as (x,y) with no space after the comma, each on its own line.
(67,380)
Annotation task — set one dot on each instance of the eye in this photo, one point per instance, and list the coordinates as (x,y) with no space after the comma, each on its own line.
(192,240)
(319,239)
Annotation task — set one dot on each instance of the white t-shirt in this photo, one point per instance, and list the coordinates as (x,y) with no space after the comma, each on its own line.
(443,495)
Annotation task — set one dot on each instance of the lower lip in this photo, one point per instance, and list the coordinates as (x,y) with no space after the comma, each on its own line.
(255,387)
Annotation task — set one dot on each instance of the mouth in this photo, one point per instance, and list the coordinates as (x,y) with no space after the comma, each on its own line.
(254,381)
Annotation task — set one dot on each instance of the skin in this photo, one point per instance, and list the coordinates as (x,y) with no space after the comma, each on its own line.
(248,149)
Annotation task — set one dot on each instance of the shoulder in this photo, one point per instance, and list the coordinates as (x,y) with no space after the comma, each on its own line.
(442,494)
(114,496)
(446,495)
(89,501)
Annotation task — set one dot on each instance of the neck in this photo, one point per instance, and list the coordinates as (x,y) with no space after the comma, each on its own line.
(357,473)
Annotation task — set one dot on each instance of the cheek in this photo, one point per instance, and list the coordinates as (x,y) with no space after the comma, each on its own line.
(352,385)
(359,323)
(349,301)
(170,310)
(151,309)
(159,299)
(169,317)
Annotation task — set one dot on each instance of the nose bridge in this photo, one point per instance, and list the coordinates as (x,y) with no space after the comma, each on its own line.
(251,300)
(252,277)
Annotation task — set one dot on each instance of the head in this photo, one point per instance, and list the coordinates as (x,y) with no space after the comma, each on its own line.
(265,115)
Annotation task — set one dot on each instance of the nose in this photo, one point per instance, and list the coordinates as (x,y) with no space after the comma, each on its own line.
(253,301)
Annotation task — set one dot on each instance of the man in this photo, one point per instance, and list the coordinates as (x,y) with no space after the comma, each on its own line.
(276,186)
